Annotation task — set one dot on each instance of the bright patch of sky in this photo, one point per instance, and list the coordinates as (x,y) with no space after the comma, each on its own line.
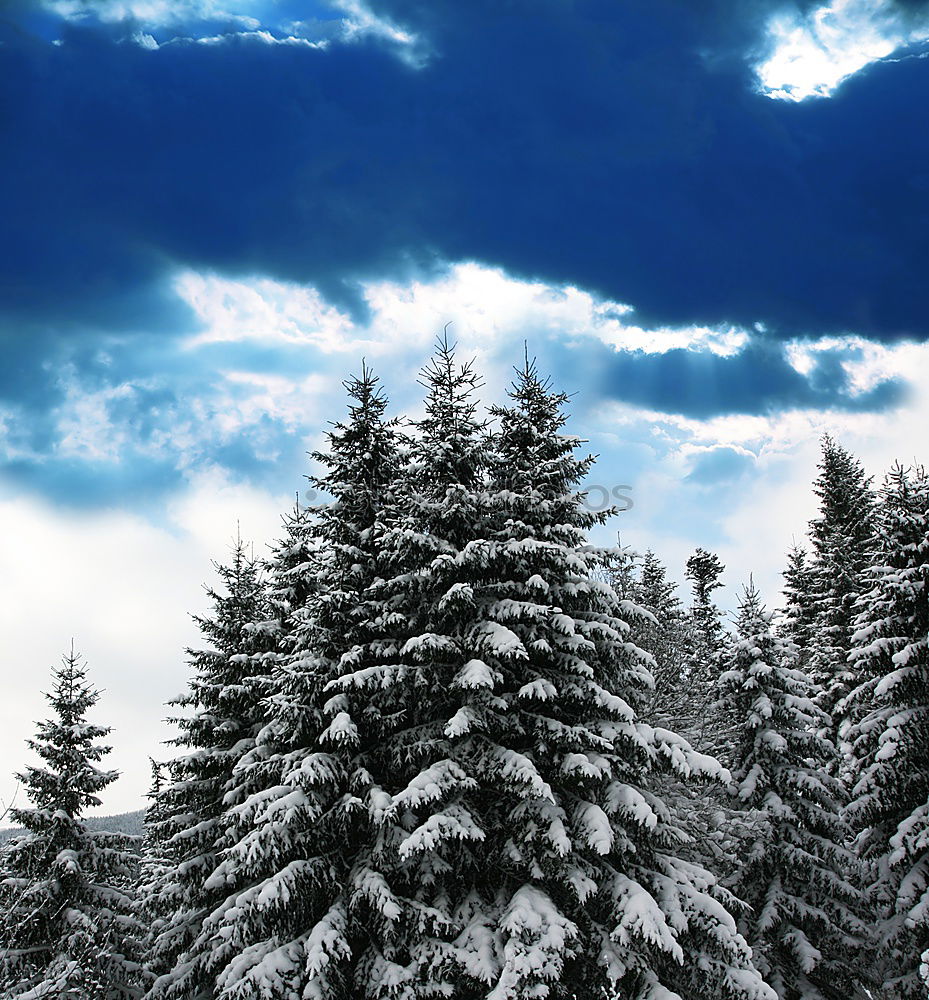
(485,301)
(865,363)
(812,54)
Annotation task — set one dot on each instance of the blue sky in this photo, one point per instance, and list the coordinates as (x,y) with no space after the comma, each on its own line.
(707,220)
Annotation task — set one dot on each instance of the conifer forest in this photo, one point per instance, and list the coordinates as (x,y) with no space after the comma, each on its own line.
(436,743)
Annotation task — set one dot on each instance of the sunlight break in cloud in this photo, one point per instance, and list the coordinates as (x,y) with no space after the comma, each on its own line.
(484,302)
(812,55)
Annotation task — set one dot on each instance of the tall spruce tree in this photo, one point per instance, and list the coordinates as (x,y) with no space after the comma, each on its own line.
(801,921)
(66,909)
(798,620)
(663,634)
(842,538)
(156,862)
(454,799)
(231,677)
(290,868)
(514,850)
(889,735)
(704,644)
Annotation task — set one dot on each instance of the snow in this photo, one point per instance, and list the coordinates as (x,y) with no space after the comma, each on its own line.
(342,731)
(371,885)
(541,689)
(476,674)
(538,939)
(518,769)
(435,782)
(641,916)
(594,826)
(499,641)
(454,822)
(68,859)
(629,800)
(460,723)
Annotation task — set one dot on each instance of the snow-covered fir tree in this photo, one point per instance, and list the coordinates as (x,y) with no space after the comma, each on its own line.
(798,619)
(842,539)
(224,699)
(67,928)
(683,700)
(463,810)
(287,871)
(704,646)
(662,633)
(289,574)
(511,847)
(156,862)
(889,735)
(794,870)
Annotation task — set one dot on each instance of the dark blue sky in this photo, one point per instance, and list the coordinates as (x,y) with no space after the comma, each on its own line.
(622,148)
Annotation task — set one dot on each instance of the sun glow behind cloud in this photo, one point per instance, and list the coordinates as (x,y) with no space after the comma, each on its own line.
(813,54)
(485,302)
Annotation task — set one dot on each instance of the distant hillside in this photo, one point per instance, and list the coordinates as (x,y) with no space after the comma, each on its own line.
(130,822)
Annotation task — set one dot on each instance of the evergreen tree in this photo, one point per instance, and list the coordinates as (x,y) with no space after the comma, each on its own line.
(662,632)
(279,926)
(889,734)
(290,576)
(453,797)
(157,861)
(512,848)
(842,538)
(705,643)
(65,903)
(684,704)
(230,679)
(799,617)
(801,923)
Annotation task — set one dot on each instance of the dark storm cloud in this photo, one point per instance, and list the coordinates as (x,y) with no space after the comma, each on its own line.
(594,143)
(758,380)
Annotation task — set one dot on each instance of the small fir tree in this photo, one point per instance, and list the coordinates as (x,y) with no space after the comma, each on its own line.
(888,735)
(230,679)
(281,923)
(662,633)
(66,909)
(842,538)
(798,620)
(705,643)
(156,864)
(800,919)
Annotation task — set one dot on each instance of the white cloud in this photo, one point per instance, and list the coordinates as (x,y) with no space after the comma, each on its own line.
(296,402)
(257,19)
(753,521)
(360,20)
(811,55)
(261,309)
(483,302)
